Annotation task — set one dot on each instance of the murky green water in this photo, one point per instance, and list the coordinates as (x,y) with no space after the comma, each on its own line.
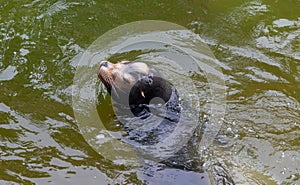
(257,43)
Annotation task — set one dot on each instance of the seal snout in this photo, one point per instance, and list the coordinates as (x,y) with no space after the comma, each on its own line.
(104,64)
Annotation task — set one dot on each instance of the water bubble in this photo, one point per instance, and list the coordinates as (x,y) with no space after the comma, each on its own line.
(100,136)
(229,129)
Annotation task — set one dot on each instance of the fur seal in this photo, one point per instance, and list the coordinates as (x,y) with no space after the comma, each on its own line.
(135,84)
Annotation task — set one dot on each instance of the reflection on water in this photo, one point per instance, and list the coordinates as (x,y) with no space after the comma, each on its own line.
(256,42)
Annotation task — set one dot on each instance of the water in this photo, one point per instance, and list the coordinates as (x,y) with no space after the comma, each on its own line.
(41,42)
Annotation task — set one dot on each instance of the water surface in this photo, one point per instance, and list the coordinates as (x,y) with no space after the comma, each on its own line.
(256,42)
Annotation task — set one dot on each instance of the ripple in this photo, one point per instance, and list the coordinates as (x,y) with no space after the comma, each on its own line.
(8,74)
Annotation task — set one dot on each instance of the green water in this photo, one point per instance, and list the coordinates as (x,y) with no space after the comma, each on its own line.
(257,43)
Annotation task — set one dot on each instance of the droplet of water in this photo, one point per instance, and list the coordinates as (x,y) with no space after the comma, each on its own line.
(229,130)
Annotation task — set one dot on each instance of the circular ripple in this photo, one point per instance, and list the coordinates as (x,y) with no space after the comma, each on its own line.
(176,53)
